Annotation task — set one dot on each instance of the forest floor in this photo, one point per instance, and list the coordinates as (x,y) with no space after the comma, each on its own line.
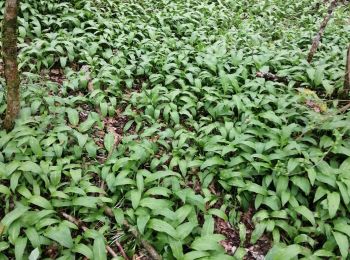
(178,129)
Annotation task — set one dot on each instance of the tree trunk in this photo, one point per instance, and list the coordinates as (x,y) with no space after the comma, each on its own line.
(347,76)
(9,49)
(319,35)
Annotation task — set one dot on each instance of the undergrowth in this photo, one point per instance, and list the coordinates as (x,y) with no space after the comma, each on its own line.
(153,109)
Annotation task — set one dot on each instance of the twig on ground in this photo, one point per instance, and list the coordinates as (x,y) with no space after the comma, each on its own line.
(344,108)
(316,40)
(121,250)
(147,246)
(81,225)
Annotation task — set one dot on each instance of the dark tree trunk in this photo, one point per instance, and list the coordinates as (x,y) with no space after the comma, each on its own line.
(9,50)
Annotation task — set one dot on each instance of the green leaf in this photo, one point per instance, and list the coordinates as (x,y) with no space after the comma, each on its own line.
(73,116)
(4,246)
(182,213)
(160,174)
(87,124)
(319,75)
(87,201)
(333,203)
(29,166)
(75,174)
(209,242)
(212,161)
(292,164)
(83,250)
(13,215)
(104,108)
(185,230)
(109,142)
(343,227)
(34,255)
(142,222)
(219,213)
(20,246)
(99,248)
(271,116)
(40,201)
(306,213)
(258,232)
(35,146)
(195,255)
(208,227)
(177,249)
(61,235)
(63,61)
(162,226)
(4,190)
(175,117)
(343,243)
(285,253)
(252,187)
(135,196)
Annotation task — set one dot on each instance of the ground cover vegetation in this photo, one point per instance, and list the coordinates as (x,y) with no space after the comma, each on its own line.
(148,129)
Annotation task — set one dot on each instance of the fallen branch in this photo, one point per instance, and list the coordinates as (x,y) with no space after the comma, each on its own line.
(81,225)
(149,248)
(344,108)
(318,37)
(272,77)
(121,250)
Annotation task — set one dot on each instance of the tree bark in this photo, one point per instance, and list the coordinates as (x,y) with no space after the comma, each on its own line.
(347,75)
(319,35)
(9,49)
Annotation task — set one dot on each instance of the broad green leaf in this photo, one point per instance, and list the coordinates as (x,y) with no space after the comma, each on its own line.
(4,246)
(195,255)
(60,234)
(87,201)
(306,213)
(285,253)
(20,246)
(208,227)
(29,166)
(135,198)
(87,124)
(4,190)
(185,230)
(13,215)
(109,142)
(142,222)
(99,249)
(155,203)
(343,243)
(209,242)
(162,226)
(40,201)
(176,248)
(333,203)
(160,174)
(34,255)
(83,250)
(35,146)
(219,213)
(212,161)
